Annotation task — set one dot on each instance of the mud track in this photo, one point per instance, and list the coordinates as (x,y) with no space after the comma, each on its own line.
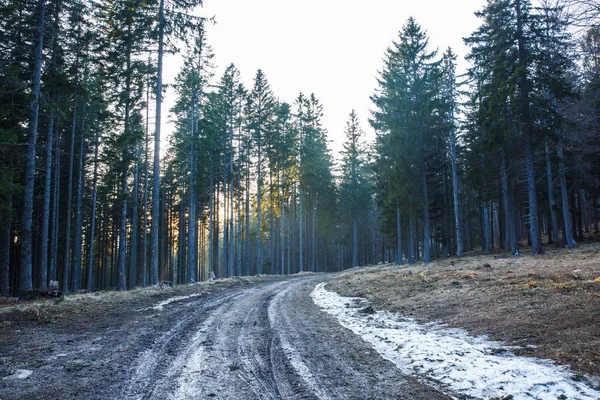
(263,341)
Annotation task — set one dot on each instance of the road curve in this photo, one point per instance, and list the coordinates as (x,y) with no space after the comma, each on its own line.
(264,342)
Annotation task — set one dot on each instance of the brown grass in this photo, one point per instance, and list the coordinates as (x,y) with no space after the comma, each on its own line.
(550,301)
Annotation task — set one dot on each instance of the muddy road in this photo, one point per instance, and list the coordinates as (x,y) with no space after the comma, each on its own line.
(263,340)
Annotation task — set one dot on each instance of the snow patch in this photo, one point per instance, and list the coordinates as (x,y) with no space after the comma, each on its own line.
(161,305)
(459,363)
(18,374)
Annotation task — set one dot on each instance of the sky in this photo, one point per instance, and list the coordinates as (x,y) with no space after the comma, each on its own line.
(332,48)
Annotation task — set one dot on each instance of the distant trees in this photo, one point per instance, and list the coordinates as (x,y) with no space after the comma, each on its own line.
(519,104)
(355,183)
(408,117)
(504,156)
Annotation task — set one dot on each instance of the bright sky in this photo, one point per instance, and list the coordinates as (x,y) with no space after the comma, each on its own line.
(332,48)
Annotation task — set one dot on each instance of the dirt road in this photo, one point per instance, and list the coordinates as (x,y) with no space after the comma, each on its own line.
(260,341)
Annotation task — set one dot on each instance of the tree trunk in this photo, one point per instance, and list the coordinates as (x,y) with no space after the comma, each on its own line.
(93,222)
(239,232)
(25,276)
(300,229)
(43,271)
(78,236)
(508,227)
(554,237)
(487,232)
(5,244)
(426,232)
(230,258)
(211,216)
(446,224)
(455,196)
(534,226)
(399,256)
(247,231)
(52,275)
(67,257)
(135,222)
(412,240)
(354,243)
(313,236)
(193,219)
(282,247)
(123,229)
(526,131)
(146,151)
(156,185)
(258,213)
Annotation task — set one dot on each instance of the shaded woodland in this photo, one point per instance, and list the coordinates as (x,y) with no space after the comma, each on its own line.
(94,196)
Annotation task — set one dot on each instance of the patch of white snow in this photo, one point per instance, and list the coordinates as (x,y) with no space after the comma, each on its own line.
(460,363)
(18,374)
(161,305)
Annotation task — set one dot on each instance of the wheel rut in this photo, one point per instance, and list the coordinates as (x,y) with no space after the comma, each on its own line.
(265,342)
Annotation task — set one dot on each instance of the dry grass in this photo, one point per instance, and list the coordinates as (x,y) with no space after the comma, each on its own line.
(550,301)
(49,309)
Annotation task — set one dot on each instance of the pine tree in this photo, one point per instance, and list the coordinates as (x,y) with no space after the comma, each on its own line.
(406,104)
(260,113)
(354,185)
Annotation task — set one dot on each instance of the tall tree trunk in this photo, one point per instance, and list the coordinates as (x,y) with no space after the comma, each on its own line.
(426,231)
(179,268)
(258,213)
(123,229)
(552,203)
(192,239)
(446,223)
(5,244)
(67,257)
(25,276)
(514,234)
(93,221)
(211,216)
(455,196)
(247,231)
(78,236)
(487,231)
(146,151)
(282,247)
(534,226)
(225,214)
(238,232)
(313,236)
(354,243)
(300,228)
(412,244)
(526,131)
(52,274)
(156,185)
(43,270)
(135,222)
(399,256)
(508,226)
(231,207)
(568,231)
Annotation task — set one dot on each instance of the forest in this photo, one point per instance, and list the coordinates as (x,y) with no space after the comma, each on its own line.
(93,196)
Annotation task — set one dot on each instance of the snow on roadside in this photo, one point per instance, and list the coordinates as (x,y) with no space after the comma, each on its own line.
(461,364)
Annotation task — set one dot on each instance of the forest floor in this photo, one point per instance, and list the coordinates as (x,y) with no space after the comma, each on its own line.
(265,338)
(548,306)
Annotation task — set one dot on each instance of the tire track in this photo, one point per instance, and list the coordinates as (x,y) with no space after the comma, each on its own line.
(267,342)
